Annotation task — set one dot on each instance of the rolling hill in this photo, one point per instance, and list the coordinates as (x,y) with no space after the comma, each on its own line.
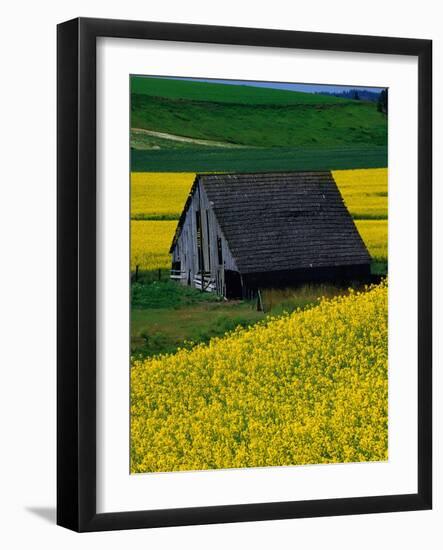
(257,121)
(225,93)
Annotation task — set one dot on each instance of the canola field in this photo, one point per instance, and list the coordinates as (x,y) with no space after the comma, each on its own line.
(158,199)
(365,192)
(150,242)
(156,196)
(306,388)
(375,236)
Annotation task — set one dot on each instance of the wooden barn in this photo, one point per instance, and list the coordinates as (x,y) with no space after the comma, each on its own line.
(242,232)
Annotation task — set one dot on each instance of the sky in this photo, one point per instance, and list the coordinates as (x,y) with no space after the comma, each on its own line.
(309,88)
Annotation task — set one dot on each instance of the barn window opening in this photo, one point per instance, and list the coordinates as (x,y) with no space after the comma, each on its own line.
(208,241)
(219,251)
(176,270)
(199,240)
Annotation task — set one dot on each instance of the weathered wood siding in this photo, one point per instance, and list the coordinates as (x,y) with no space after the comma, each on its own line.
(186,248)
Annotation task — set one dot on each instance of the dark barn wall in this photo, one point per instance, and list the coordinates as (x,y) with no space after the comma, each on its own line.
(288,278)
(234,288)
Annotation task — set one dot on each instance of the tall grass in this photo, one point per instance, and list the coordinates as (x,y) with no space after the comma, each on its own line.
(279,300)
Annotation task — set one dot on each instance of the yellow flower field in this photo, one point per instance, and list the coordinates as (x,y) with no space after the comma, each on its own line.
(375,235)
(306,388)
(164,194)
(365,192)
(150,242)
(157,195)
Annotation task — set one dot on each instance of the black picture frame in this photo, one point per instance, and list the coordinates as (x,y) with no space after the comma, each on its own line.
(76,280)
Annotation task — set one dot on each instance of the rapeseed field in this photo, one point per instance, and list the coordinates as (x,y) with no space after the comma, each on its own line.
(158,199)
(365,192)
(309,387)
(150,242)
(375,236)
(156,196)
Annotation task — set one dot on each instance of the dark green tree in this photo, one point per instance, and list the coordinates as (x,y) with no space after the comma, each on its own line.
(382,105)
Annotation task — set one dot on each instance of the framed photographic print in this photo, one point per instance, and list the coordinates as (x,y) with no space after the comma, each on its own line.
(244,274)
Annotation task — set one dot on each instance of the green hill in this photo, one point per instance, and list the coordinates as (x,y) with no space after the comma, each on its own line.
(247,116)
(225,93)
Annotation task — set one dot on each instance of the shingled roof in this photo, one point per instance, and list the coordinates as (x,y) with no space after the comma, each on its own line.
(284,221)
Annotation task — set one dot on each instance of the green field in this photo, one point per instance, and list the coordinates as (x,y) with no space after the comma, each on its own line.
(166,315)
(257,160)
(197,316)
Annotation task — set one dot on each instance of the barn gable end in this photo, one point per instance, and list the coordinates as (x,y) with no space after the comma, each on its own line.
(200,253)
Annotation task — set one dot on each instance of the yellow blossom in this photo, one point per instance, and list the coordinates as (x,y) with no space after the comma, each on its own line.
(309,387)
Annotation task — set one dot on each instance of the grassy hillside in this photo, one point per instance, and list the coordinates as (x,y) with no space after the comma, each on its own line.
(224,93)
(258,117)
(262,125)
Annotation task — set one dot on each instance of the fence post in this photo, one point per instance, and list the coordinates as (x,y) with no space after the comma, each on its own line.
(259,302)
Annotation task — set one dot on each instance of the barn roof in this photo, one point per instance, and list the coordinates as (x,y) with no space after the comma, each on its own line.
(283,221)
